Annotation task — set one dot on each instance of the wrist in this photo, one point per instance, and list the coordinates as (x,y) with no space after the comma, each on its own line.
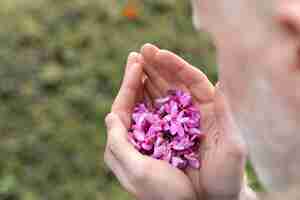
(245,194)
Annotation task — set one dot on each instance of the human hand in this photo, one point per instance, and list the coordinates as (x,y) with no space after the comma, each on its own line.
(224,154)
(259,75)
(144,177)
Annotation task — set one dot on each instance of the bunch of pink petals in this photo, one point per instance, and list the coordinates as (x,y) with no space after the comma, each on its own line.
(169,130)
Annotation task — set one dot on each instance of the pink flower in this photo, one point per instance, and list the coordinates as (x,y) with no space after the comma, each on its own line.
(170,130)
(192,160)
(178,162)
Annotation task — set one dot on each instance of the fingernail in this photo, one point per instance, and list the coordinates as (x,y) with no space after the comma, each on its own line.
(133,57)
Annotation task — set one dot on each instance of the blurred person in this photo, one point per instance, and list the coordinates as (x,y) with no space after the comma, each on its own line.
(257,97)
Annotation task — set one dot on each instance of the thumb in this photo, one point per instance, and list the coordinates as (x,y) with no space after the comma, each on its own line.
(118,143)
(112,121)
(116,130)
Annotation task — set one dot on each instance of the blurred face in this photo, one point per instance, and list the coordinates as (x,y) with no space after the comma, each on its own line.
(258,45)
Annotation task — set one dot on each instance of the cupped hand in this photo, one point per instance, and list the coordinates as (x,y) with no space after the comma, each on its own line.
(144,177)
(223,153)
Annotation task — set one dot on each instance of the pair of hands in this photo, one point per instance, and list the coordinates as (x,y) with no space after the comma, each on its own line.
(148,75)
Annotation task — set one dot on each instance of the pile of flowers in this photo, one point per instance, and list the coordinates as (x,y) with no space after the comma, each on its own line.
(169,130)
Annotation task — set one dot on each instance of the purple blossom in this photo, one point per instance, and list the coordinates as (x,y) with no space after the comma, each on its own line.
(169,130)
(179,162)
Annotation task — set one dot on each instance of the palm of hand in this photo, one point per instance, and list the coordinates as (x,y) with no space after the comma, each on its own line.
(142,176)
(223,153)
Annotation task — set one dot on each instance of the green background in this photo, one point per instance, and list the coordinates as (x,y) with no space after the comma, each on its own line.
(61,63)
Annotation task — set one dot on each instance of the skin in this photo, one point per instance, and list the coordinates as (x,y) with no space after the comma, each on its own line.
(144,177)
(259,75)
(223,155)
(257,93)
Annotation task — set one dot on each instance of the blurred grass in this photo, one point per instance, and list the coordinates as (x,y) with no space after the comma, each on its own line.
(61,62)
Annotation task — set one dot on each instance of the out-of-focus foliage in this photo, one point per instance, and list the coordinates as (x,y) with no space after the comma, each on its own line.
(61,62)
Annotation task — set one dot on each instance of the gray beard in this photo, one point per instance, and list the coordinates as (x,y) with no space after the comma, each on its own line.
(272,136)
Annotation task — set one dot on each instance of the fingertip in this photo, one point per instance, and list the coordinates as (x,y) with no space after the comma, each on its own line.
(133,57)
(133,73)
(149,51)
(148,46)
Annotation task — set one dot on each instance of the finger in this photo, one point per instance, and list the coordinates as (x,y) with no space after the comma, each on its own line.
(133,58)
(118,144)
(192,78)
(148,52)
(140,90)
(157,80)
(118,171)
(231,134)
(130,90)
(195,80)
(147,97)
(193,175)
(152,91)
